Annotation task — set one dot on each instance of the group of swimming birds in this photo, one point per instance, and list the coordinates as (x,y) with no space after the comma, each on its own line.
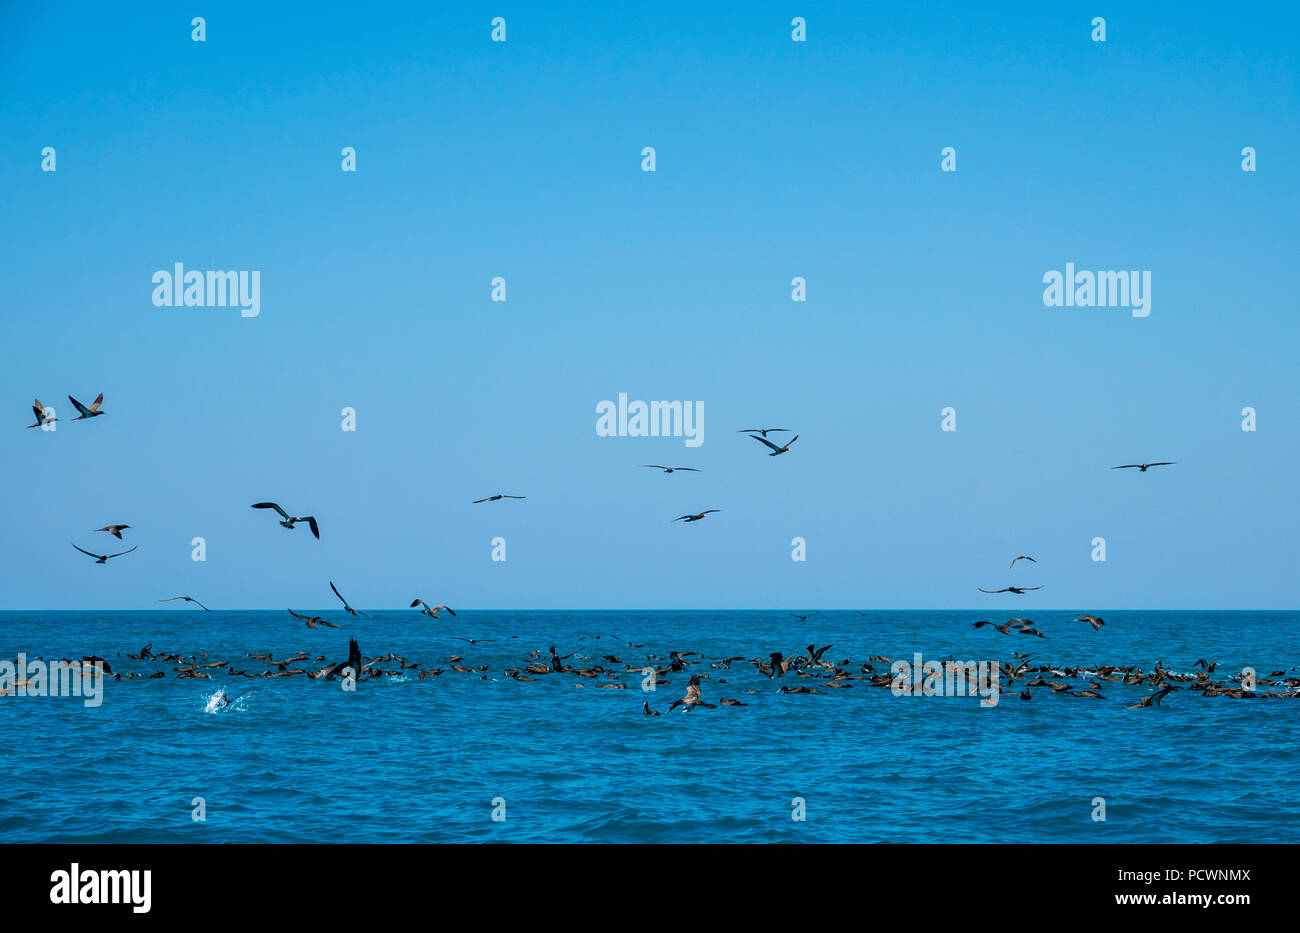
(809,665)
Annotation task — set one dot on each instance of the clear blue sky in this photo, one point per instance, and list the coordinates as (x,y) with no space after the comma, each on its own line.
(775,160)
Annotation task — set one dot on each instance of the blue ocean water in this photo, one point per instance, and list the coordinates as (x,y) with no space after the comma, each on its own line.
(409,760)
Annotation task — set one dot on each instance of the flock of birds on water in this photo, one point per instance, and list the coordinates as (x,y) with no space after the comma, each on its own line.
(819,674)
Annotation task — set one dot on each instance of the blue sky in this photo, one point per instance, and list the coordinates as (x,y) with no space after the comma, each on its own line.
(775,159)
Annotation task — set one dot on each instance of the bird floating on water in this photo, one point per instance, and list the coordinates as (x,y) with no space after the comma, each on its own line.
(104,558)
(290,520)
(692,698)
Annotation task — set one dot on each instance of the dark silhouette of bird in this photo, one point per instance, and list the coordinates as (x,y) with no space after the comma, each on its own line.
(1153,699)
(668,469)
(41,417)
(1095,622)
(313,621)
(353,662)
(104,558)
(776,451)
(1143,467)
(1020,557)
(496,497)
(91,412)
(114,530)
(1011,589)
(346,607)
(431,612)
(696,517)
(290,520)
(188,599)
(762,431)
(807,617)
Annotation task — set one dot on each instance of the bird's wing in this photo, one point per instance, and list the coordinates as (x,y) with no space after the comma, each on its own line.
(982,590)
(99,400)
(484,499)
(707,511)
(764,441)
(655,466)
(790,441)
(1163,463)
(687,470)
(39,409)
(514,497)
(1126,466)
(127,551)
(87,553)
(311,523)
(298,615)
(271,505)
(680,517)
(449,609)
(418,602)
(205,608)
(1031,587)
(80,407)
(170,598)
(339,595)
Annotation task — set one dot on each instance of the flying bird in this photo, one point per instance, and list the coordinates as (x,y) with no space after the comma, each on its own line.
(805,618)
(696,517)
(1021,557)
(1143,467)
(104,558)
(776,451)
(496,497)
(762,431)
(41,417)
(345,602)
(114,530)
(313,621)
(91,412)
(1011,589)
(188,599)
(434,611)
(668,469)
(1001,628)
(1095,622)
(290,520)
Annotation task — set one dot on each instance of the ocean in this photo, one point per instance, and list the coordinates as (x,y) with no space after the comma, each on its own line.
(481,757)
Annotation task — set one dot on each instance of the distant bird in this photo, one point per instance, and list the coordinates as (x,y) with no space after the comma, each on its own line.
(1021,557)
(776,451)
(434,611)
(104,558)
(290,520)
(41,417)
(668,469)
(1143,467)
(188,599)
(114,530)
(496,497)
(692,698)
(1153,699)
(313,621)
(1095,622)
(1001,628)
(344,601)
(91,412)
(807,617)
(762,431)
(1011,589)
(696,517)
(1030,630)
(645,708)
